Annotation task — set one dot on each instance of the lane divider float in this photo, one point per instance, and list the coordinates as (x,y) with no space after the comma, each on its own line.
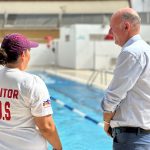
(81,114)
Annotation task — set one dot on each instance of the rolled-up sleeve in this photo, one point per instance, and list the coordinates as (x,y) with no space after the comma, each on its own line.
(127,72)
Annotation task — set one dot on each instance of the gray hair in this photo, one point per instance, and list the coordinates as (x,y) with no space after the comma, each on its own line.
(134,19)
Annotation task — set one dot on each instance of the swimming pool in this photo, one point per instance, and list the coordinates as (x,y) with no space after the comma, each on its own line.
(77,133)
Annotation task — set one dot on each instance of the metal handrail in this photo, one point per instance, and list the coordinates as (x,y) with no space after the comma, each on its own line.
(103,76)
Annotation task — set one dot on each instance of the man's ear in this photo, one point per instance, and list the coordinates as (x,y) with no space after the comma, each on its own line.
(126,26)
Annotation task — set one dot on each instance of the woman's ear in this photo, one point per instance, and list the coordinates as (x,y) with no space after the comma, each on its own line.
(22,55)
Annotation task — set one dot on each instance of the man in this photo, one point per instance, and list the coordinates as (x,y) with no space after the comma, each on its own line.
(126,104)
(24,100)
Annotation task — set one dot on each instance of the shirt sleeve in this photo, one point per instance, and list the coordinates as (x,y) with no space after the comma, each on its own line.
(40,99)
(127,72)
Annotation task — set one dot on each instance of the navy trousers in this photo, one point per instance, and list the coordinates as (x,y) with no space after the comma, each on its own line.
(131,141)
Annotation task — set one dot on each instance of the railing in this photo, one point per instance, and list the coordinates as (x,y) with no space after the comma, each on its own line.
(103,74)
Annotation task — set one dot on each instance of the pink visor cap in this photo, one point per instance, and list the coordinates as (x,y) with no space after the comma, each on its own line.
(17,43)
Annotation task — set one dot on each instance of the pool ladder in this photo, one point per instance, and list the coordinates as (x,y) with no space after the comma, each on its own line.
(103,77)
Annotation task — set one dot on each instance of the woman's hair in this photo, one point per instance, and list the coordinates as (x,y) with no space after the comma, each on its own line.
(3,57)
(6,56)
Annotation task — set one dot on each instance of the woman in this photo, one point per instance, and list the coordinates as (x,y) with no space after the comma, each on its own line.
(24,100)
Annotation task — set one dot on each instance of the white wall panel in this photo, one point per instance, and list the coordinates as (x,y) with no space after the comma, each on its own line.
(41,56)
(106,52)
(66,52)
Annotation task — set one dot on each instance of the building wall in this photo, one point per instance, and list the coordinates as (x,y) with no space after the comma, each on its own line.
(80,52)
(106,55)
(39,7)
(67,48)
(33,34)
(41,56)
(77,45)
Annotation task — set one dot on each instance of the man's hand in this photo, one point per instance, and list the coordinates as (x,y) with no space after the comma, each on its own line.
(107,116)
(107,129)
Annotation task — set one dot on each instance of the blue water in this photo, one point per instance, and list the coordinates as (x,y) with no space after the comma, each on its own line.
(77,133)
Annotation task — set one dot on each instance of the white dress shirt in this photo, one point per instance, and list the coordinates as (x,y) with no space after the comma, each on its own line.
(129,92)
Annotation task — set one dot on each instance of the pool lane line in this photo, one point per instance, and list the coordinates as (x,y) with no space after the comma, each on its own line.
(81,114)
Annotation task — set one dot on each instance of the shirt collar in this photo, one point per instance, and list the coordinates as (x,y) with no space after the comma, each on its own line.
(10,69)
(132,40)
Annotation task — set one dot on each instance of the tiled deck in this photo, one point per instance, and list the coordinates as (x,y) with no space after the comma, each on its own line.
(99,79)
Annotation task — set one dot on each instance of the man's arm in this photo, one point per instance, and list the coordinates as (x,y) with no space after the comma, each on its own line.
(48,130)
(126,74)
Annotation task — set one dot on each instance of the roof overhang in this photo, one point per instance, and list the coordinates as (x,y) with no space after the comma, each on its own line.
(57,7)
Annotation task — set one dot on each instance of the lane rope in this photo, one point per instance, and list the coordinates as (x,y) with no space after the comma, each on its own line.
(81,114)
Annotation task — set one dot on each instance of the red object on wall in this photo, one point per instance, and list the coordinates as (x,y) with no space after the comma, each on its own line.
(48,39)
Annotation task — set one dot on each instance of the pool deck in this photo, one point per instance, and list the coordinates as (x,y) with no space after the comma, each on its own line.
(100,79)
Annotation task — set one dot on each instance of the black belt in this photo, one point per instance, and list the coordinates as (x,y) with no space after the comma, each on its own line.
(130,130)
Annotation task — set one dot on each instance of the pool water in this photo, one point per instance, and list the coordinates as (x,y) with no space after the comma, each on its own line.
(77,133)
